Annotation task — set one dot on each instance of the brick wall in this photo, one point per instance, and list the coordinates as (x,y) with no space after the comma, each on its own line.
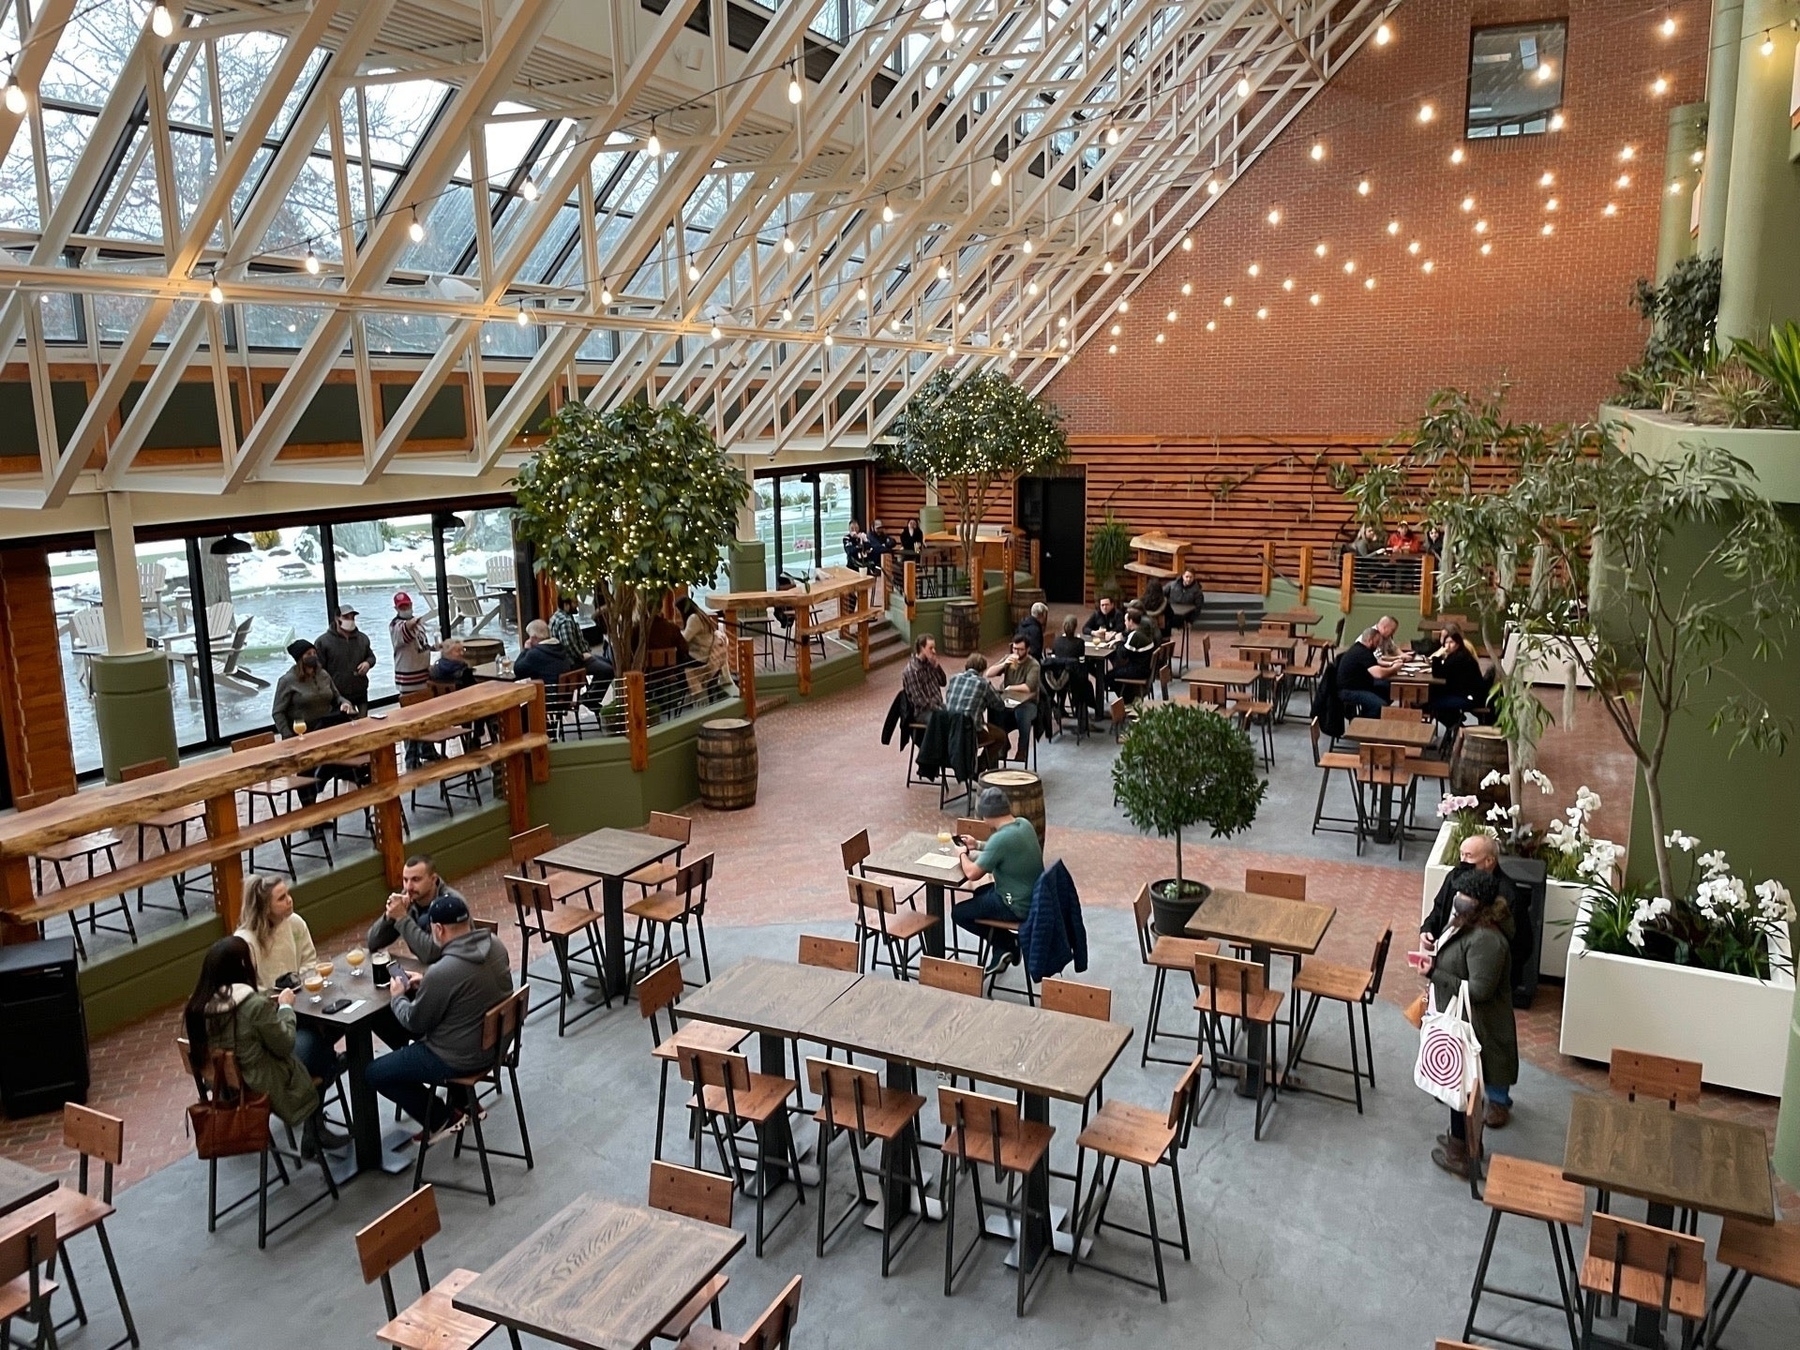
(1552,315)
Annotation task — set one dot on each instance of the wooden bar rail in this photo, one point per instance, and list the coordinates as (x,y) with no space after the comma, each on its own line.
(216,781)
(840,584)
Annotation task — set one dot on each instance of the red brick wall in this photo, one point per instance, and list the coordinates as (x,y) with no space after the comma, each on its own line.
(1551,315)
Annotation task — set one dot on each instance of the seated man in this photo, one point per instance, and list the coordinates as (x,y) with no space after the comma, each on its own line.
(969,692)
(541,657)
(923,679)
(1007,871)
(1021,677)
(1185,591)
(566,629)
(1031,628)
(450,668)
(405,916)
(443,1010)
(1362,676)
(856,547)
(1105,618)
(1134,659)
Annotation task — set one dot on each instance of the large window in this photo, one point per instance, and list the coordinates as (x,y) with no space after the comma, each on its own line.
(1515,79)
(801,518)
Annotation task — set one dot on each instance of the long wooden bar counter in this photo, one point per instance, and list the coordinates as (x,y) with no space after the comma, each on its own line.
(215,782)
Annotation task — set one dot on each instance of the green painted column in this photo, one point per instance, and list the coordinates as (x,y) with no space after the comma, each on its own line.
(1762,211)
(1721,98)
(133,709)
(1787,1124)
(1687,138)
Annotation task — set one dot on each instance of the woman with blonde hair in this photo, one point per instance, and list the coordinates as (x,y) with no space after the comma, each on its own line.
(281,949)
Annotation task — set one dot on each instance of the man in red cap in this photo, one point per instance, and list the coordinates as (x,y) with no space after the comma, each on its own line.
(412,659)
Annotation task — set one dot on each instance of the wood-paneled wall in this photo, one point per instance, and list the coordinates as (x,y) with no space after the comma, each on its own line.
(34,717)
(1223,496)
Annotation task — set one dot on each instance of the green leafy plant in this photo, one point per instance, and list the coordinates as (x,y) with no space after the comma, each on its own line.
(1732,393)
(971,437)
(1779,364)
(627,505)
(1108,551)
(1683,312)
(1377,492)
(1183,765)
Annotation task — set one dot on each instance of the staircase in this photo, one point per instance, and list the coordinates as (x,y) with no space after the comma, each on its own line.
(886,645)
(1221,611)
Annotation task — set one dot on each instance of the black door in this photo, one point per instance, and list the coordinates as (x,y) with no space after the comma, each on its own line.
(1062,528)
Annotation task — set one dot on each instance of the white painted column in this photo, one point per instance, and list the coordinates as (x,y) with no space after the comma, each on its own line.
(119,602)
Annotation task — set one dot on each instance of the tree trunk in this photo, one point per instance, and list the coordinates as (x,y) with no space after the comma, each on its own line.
(1653,792)
(1178,884)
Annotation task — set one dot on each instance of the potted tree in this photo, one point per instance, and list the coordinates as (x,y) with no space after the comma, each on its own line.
(1183,765)
(626,505)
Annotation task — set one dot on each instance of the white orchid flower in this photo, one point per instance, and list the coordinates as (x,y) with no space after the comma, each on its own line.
(1714,864)
(1685,842)
(1778,904)
(1537,777)
(1492,779)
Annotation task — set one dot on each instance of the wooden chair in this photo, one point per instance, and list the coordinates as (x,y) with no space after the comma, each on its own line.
(429,1322)
(279,795)
(178,819)
(681,902)
(828,953)
(563,705)
(1751,1251)
(772,1331)
(503,1034)
(555,926)
(676,829)
(855,852)
(1535,1191)
(1328,762)
(1645,1266)
(1353,987)
(85,849)
(27,1247)
(658,993)
(730,1100)
(882,928)
(1281,885)
(982,1131)
(1125,1133)
(1238,991)
(1076,998)
(852,1101)
(1636,1075)
(527,848)
(93,1135)
(1163,954)
(707,1198)
(1258,712)
(228,667)
(465,604)
(1379,768)
(957,977)
(445,743)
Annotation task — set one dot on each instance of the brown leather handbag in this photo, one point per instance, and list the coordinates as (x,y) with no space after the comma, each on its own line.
(232,1121)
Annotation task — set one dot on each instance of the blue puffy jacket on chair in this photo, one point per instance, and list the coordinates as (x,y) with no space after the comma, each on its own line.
(1052,934)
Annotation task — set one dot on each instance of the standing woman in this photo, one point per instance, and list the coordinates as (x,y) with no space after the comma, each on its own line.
(228,1012)
(1477,947)
(281,953)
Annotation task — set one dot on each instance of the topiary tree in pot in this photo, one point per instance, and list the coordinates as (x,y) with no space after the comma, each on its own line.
(1183,765)
(626,505)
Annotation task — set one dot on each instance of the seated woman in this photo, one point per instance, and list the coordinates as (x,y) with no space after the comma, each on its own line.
(704,651)
(912,540)
(1465,688)
(281,955)
(450,667)
(228,1012)
(1068,652)
(1133,659)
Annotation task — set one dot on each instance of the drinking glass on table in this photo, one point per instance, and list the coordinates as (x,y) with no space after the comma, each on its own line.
(323,969)
(299,728)
(315,985)
(356,956)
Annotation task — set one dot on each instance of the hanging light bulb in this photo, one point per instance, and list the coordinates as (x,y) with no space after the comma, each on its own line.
(1255,269)
(1426,112)
(1427,267)
(1362,187)
(962,307)
(1486,249)
(1413,248)
(1112,349)
(787,242)
(947,30)
(1556,122)
(1212,187)
(1393,227)
(1668,27)
(1031,288)
(1314,298)
(415,229)
(1212,325)
(1546,178)
(716,333)
(312,261)
(1187,243)
(1549,228)
(162,23)
(1368,283)
(1275,216)
(605,295)
(1319,249)
(943,272)
(1660,85)
(1106,267)
(787,314)
(1227,302)
(1349,266)
(1628,152)
(828,339)
(1124,306)
(862,292)
(654,144)
(1117,329)
(1610,209)
(1287,284)
(524,315)
(1318,151)
(1481,227)
(1551,204)
(1243,85)
(1383,35)
(1623,180)
(887,210)
(16,101)
(1112,136)
(795,91)
(995,177)
(528,190)
(213,293)
(1162,337)
(1262,313)
(1118,219)
(1456,155)
(1026,246)
(1171,316)
(1468,203)
(1768,44)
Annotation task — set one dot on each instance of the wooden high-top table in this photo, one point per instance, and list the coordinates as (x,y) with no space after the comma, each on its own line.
(612,855)
(20,1185)
(901,859)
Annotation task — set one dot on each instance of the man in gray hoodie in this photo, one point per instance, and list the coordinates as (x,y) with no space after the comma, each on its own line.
(443,1009)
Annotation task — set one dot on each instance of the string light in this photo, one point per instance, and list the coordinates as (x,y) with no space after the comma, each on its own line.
(828,339)
(1362,187)
(1171,316)
(1675,188)
(1319,249)
(1031,288)
(795,92)
(1243,85)
(312,262)
(162,23)
(1318,151)
(1486,249)
(1349,266)
(1187,288)
(862,293)
(1660,85)
(15,97)
(787,313)
(943,272)
(1383,35)
(1314,298)
(1556,122)
(948,30)
(1368,283)
(1026,246)
(654,144)
(1628,152)
(1160,337)
(213,292)
(1426,267)
(1124,306)
(717,333)
(528,190)
(1287,284)
(1255,269)
(1212,187)
(1117,329)
(1212,325)
(1546,179)
(1768,44)
(787,242)
(524,317)
(693,269)
(1610,209)
(1456,155)
(1697,157)
(1187,243)
(1623,180)
(1549,228)
(1227,302)
(1112,349)
(1468,203)
(1118,218)
(1481,227)
(1112,135)
(1262,313)
(1413,248)
(1668,27)
(962,307)
(1275,216)
(1393,227)
(1426,112)
(605,296)
(995,177)
(1551,204)
(415,229)
(1106,267)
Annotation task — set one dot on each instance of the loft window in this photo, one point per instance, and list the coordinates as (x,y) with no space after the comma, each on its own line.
(1515,78)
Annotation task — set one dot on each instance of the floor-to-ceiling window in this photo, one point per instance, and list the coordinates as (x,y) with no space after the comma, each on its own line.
(801,518)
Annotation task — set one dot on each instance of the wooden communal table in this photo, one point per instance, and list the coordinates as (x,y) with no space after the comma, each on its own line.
(216,781)
(901,859)
(20,1185)
(1669,1158)
(1407,731)
(1412,685)
(1265,924)
(611,855)
(853,592)
(601,1275)
(1300,617)
(1231,679)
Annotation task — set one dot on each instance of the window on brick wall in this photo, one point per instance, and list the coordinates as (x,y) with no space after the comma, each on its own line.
(1515,79)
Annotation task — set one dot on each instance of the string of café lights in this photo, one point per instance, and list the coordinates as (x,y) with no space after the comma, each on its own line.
(163,24)
(1425,112)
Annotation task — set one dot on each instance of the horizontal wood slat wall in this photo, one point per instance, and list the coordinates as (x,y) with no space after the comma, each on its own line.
(1223,496)
(34,717)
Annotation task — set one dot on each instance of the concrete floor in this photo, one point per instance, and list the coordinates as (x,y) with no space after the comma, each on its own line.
(1334,1231)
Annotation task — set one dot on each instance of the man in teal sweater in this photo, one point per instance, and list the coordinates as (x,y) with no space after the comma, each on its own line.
(1006,872)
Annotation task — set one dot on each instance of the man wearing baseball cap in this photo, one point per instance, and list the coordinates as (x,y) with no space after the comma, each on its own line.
(443,1010)
(347,657)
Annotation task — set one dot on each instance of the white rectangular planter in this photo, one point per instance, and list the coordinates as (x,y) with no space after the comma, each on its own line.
(1735,1026)
(1560,902)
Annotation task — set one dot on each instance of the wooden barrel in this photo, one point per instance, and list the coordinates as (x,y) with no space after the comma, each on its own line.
(962,628)
(1478,751)
(726,761)
(1026,793)
(479,651)
(1024,597)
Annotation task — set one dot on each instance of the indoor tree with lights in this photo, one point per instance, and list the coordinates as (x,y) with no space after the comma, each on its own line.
(971,437)
(626,505)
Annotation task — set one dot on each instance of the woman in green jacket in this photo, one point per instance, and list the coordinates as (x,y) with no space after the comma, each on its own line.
(228,1012)
(1475,947)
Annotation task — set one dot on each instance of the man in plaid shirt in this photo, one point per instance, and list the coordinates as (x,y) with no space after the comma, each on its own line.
(565,628)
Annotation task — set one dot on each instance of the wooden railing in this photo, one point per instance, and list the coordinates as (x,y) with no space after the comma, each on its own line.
(853,594)
(1354,573)
(215,782)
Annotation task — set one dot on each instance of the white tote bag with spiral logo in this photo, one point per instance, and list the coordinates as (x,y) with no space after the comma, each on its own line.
(1449,1063)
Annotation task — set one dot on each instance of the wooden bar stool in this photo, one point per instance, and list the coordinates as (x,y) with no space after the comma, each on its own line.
(429,1322)
(1235,990)
(25,1249)
(658,993)
(556,926)
(1382,770)
(1354,988)
(178,819)
(438,743)
(527,848)
(676,829)
(93,1135)
(279,796)
(1638,1076)
(694,1195)
(853,1102)
(772,1331)
(731,1099)
(681,903)
(84,849)
(1650,1267)
(1164,954)
(1751,1251)
(1328,762)
(1535,1191)
(982,1131)
(881,927)
(502,1034)
(1126,1133)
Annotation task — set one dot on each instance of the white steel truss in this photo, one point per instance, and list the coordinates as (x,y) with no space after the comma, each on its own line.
(786,217)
